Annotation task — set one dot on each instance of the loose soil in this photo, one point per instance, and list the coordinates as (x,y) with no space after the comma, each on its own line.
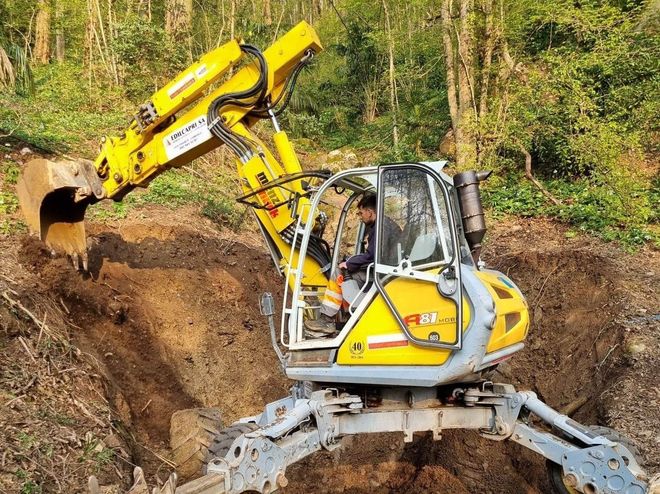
(169,317)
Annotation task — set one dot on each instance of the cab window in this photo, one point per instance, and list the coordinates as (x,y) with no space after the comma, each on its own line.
(414,226)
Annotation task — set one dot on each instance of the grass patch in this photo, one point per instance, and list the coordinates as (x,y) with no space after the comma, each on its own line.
(96,453)
(64,114)
(176,188)
(9,222)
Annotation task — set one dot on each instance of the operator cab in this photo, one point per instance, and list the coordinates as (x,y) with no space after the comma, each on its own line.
(413,291)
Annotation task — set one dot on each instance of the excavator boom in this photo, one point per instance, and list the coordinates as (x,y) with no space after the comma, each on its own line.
(180,122)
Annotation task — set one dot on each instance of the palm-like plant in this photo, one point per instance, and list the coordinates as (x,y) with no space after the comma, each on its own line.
(15,70)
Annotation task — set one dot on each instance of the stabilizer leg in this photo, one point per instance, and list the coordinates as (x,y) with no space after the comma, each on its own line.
(591,463)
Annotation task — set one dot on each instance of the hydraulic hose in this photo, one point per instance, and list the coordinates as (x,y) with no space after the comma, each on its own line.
(287,92)
(241,146)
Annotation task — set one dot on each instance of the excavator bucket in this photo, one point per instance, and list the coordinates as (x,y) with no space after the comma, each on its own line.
(53,197)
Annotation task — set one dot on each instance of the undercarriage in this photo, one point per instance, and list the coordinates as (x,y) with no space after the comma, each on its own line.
(254,453)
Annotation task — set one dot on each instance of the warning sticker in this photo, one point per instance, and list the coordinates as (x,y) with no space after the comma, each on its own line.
(181,86)
(186,138)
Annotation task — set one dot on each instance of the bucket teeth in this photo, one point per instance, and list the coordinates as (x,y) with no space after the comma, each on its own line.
(80,260)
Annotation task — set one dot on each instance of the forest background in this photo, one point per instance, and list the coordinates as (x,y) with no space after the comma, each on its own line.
(560,98)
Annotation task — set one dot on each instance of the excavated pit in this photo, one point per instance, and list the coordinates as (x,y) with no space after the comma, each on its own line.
(170,312)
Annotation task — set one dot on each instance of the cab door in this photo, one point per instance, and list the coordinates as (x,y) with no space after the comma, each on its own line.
(415,317)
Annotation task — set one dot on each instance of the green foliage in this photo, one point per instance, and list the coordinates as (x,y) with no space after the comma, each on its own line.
(9,171)
(27,443)
(146,56)
(63,115)
(591,205)
(26,440)
(584,98)
(30,487)
(15,71)
(591,91)
(176,188)
(96,453)
(222,211)
(586,107)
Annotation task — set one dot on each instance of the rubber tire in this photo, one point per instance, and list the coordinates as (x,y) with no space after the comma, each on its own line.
(223,441)
(556,472)
(191,434)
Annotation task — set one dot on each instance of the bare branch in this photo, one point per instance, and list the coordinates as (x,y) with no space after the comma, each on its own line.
(445,14)
(530,176)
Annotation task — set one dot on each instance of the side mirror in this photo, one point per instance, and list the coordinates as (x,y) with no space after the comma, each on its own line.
(267,305)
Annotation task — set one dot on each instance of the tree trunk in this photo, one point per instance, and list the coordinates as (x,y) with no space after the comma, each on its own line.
(178,20)
(450,64)
(42,33)
(530,176)
(487,57)
(459,44)
(268,17)
(393,98)
(466,144)
(232,19)
(59,31)
(317,7)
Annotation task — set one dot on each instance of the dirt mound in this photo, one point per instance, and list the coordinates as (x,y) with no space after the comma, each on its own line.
(172,316)
(170,312)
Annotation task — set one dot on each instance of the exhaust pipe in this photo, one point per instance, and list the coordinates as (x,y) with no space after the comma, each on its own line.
(472,212)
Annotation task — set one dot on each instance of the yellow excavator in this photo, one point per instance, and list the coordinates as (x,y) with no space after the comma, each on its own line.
(412,351)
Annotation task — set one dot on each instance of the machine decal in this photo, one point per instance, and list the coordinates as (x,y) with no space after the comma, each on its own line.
(186,138)
(386,341)
(421,319)
(268,198)
(357,348)
(181,86)
(201,71)
(505,281)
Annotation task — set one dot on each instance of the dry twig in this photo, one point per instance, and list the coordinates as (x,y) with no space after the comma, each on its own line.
(22,341)
(145,406)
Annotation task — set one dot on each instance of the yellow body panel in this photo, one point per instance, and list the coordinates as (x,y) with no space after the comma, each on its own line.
(377,340)
(253,175)
(192,82)
(512,321)
(135,157)
(288,157)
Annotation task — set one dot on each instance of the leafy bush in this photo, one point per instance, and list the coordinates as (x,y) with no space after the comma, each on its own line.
(588,205)
(65,113)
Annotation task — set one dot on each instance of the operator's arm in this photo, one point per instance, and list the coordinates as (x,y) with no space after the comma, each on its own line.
(362,260)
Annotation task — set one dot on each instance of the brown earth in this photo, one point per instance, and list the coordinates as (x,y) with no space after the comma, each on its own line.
(169,315)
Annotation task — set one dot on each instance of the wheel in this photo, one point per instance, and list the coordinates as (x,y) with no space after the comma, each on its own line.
(221,443)
(191,434)
(556,472)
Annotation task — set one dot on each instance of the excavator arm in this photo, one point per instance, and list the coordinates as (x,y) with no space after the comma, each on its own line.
(193,114)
